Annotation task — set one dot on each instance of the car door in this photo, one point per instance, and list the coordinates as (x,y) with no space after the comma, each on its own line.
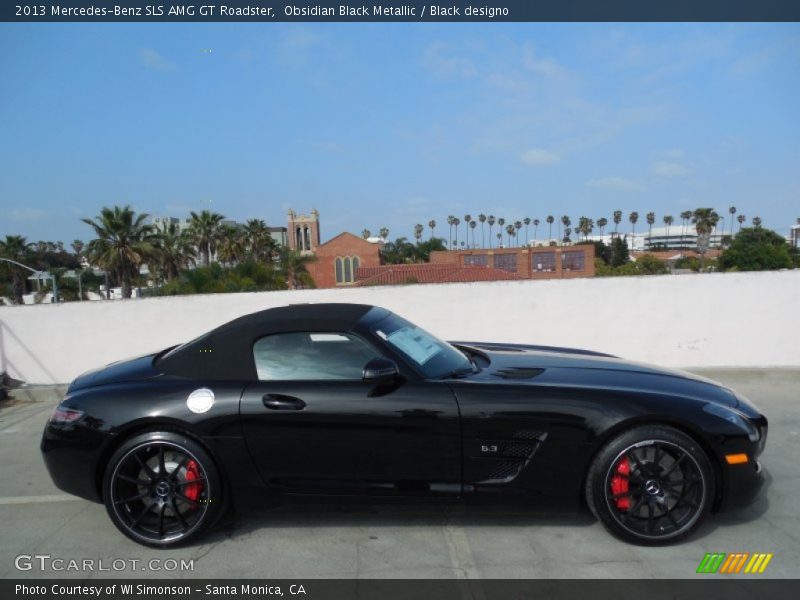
(312,425)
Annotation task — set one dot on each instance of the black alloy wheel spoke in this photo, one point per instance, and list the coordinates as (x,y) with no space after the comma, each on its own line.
(178,513)
(161,520)
(637,505)
(176,471)
(150,473)
(133,498)
(187,499)
(134,480)
(650,518)
(141,515)
(162,469)
(674,465)
(672,520)
(655,454)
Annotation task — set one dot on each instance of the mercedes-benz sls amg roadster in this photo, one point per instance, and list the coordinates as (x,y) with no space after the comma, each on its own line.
(348,400)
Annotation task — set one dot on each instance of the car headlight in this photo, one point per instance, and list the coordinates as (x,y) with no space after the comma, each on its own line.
(734,418)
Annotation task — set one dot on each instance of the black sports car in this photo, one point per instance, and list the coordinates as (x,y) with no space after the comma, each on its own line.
(352,400)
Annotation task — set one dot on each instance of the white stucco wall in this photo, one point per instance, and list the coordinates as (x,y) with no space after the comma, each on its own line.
(732,319)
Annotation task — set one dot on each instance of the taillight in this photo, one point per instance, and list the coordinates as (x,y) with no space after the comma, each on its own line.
(62,414)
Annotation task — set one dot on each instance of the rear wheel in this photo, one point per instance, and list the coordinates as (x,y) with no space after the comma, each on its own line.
(162,488)
(651,485)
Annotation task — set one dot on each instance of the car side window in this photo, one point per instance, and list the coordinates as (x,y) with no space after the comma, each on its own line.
(309,356)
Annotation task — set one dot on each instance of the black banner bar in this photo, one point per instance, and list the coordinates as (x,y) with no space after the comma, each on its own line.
(731,588)
(399,11)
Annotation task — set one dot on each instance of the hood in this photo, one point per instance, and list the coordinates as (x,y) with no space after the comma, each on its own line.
(518,364)
(117,372)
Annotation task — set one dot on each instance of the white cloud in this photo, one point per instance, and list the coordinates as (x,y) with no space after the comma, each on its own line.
(442,61)
(153,60)
(539,157)
(667,169)
(615,183)
(27,214)
(546,66)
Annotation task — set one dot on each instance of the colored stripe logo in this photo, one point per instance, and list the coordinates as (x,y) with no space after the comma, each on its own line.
(735,562)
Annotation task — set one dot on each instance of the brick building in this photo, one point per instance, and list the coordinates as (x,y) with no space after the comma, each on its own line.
(339,258)
(430,273)
(303,232)
(547,262)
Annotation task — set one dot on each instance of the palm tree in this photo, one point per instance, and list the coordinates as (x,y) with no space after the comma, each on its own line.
(617,220)
(258,243)
(124,242)
(633,218)
(510,231)
(741,219)
(204,230)
(384,233)
(668,221)
(473,225)
(16,248)
(418,229)
(567,233)
(499,238)
(491,220)
(535,229)
(294,266)
(456,223)
(585,227)
(601,224)
(432,225)
(732,211)
(756,222)
(77,247)
(550,220)
(366,233)
(705,220)
(482,219)
(651,219)
(450,221)
(527,221)
(174,251)
(230,245)
(685,217)
(517,227)
(566,222)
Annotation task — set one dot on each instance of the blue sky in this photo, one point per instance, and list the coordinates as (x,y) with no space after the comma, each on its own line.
(394,124)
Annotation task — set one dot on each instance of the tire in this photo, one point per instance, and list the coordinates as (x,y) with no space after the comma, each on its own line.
(162,489)
(651,485)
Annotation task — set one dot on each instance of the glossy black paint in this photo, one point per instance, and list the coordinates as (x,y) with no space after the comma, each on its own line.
(524,427)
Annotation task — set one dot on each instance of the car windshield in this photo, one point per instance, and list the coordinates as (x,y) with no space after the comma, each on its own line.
(435,358)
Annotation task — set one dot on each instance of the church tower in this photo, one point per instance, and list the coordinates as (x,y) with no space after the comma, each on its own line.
(303,231)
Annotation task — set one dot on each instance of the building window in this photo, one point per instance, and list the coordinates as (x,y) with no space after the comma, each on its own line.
(506,262)
(476,259)
(345,269)
(573,261)
(339,271)
(544,262)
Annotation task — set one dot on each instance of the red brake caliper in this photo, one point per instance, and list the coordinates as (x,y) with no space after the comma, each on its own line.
(192,490)
(619,484)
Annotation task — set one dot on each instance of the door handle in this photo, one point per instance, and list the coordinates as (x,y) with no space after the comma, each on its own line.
(282,402)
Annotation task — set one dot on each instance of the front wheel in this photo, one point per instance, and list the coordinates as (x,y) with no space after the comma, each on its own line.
(161,488)
(651,485)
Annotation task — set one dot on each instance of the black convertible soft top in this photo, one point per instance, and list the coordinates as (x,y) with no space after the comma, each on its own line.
(226,353)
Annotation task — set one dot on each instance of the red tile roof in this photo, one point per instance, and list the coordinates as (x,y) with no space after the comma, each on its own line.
(430,273)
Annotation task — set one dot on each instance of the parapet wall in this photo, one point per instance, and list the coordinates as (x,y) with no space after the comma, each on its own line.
(729,320)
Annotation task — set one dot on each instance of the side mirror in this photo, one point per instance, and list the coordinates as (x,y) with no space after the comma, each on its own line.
(380,370)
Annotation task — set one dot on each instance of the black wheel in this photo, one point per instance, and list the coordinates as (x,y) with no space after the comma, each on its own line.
(162,488)
(650,485)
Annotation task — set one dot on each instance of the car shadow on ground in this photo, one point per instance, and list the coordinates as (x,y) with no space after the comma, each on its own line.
(237,524)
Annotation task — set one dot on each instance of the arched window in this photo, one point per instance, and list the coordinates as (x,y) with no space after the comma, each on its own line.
(298,237)
(339,271)
(348,270)
(356,264)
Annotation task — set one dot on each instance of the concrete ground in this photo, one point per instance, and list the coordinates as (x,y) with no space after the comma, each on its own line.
(38,519)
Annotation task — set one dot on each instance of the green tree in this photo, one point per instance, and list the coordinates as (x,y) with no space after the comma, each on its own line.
(123,243)
(432,225)
(482,220)
(550,219)
(756,249)
(257,241)
(294,267)
(173,251)
(620,254)
(204,231)
(617,220)
(491,221)
(601,224)
(16,248)
(366,233)
(704,219)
